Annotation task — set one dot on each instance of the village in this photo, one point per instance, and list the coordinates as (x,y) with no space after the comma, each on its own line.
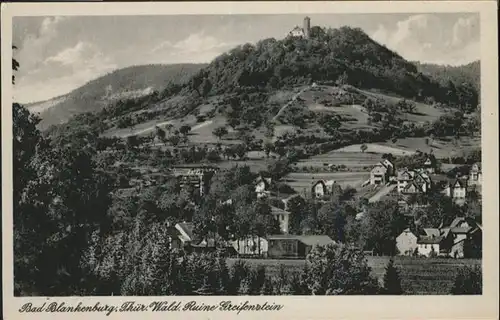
(401,184)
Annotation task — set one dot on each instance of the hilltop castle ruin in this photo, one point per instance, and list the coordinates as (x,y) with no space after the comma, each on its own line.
(304,32)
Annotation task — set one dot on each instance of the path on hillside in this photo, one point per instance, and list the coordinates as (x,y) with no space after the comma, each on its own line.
(147,129)
(382,192)
(292,101)
(201,125)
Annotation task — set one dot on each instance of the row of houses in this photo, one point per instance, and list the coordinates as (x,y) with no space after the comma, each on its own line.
(418,181)
(447,241)
(182,236)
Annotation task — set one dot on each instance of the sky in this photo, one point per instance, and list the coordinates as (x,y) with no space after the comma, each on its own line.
(59,54)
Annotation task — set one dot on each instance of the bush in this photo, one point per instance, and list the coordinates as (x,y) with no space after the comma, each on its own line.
(392,282)
(468,281)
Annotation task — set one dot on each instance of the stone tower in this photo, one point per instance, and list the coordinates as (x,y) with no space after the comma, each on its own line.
(307,27)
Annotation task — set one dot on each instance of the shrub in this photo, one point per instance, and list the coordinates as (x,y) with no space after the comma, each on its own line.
(468,281)
(392,282)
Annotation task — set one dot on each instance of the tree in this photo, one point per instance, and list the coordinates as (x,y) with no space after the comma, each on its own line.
(219,132)
(381,224)
(392,282)
(330,124)
(174,140)
(240,150)
(160,133)
(297,207)
(206,87)
(233,123)
(363,147)
(132,142)
(343,79)
(278,169)
(184,130)
(468,281)
(337,269)
(268,148)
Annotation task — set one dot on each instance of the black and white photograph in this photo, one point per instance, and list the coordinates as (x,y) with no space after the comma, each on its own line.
(260,154)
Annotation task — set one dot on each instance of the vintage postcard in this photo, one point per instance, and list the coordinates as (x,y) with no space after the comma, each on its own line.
(289,160)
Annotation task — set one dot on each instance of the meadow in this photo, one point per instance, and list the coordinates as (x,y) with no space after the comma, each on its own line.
(440,148)
(301,181)
(419,276)
(354,160)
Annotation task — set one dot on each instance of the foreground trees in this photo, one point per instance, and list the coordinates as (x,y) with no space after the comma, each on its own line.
(145,266)
(60,197)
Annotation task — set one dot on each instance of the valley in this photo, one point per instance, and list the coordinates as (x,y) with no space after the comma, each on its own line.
(323,145)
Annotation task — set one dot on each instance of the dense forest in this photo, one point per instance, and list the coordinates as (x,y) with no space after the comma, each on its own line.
(469,73)
(347,55)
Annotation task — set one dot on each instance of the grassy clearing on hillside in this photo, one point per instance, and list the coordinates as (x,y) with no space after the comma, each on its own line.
(352,160)
(303,181)
(422,113)
(377,148)
(418,275)
(141,129)
(441,148)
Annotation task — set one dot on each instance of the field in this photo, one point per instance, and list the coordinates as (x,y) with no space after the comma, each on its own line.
(377,149)
(303,181)
(419,276)
(422,113)
(354,160)
(440,148)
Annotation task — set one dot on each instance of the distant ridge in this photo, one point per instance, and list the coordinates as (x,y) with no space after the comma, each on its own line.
(122,83)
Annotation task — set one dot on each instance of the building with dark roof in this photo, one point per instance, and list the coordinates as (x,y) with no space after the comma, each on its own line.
(295,246)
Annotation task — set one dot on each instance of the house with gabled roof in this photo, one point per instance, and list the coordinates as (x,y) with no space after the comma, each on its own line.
(430,164)
(378,175)
(322,188)
(463,230)
(263,186)
(406,242)
(381,172)
(457,190)
(413,181)
(434,241)
(475,174)
(283,218)
(412,188)
(452,240)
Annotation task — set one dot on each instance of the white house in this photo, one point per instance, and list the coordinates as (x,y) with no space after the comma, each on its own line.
(432,242)
(297,32)
(475,174)
(406,242)
(456,190)
(410,181)
(283,218)
(321,188)
(430,165)
(381,172)
(303,32)
(378,175)
(262,187)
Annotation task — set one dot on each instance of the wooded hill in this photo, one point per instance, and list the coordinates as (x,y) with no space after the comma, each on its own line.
(126,83)
(330,54)
(241,86)
(469,73)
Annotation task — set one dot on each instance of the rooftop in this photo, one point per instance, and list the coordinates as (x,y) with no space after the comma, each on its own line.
(276,211)
(312,240)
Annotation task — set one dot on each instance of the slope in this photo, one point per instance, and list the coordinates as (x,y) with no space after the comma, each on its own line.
(124,83)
